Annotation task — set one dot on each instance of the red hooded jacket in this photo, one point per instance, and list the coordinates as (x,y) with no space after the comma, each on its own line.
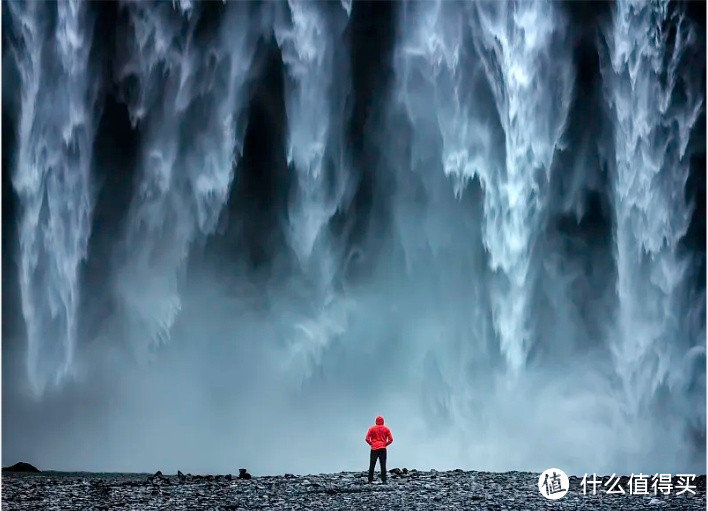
(379,436)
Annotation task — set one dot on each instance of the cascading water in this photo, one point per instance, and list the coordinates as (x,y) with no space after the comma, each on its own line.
(653,121)
(179,77)
(526,62)
(526,59)
(314,105)
(473,218)
(52,176)
(310,65)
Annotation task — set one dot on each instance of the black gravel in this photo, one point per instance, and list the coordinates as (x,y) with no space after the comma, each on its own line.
(346,491)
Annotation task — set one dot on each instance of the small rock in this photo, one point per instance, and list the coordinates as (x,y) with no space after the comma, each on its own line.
(243,474)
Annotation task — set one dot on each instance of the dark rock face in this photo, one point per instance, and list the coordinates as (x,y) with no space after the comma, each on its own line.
(344,491)
(21,467)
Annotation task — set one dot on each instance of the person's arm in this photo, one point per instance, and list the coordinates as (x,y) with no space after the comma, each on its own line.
(389,439)
(368,436)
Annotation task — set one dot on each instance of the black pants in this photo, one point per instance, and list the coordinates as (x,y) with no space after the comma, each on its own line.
(379,454)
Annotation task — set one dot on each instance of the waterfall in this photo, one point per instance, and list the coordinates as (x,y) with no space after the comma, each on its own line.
(526,58)
(479,217)
(522,52)
(52,177)
(186,90)
(654,106)
(314,116)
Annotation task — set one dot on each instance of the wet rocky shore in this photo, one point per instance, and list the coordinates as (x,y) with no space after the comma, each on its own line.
(409,490)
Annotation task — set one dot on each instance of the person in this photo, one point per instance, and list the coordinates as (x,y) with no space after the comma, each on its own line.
(378,437)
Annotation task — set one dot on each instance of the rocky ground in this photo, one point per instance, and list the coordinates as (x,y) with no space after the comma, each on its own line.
(346,491)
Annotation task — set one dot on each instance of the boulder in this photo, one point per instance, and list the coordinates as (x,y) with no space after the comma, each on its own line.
(21,467)
(157,477)
(243,474)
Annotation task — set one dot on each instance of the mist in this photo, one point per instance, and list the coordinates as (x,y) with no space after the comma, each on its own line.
(235,233)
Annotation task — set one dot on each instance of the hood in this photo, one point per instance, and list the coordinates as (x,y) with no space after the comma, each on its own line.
(379,420)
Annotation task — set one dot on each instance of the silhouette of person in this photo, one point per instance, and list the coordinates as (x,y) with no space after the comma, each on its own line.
(378,437)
